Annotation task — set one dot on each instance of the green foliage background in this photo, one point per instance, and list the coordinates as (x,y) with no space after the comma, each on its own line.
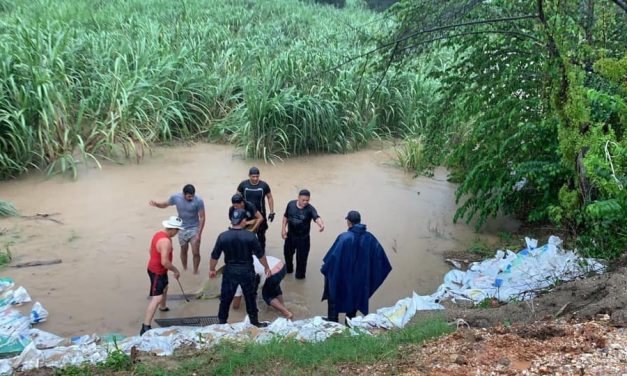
(531,111)
(83,81)
(524,101)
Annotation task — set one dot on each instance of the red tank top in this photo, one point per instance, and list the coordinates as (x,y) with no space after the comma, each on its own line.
(154,264)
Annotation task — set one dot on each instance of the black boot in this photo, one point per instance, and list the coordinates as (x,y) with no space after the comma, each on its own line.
(332,314)
(145,328)
(254,320)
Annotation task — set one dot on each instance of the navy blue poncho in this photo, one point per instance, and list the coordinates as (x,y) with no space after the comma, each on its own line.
(354,267)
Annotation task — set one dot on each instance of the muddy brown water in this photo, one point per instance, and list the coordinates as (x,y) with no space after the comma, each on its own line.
(101,285)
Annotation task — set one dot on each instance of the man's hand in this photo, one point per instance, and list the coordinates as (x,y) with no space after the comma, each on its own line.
(321,228)
(152,203)
(212,274)
(177,274)
(268,272)
(271,217)
(284,234)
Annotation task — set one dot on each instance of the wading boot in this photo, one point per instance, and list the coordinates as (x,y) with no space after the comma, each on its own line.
(145,328)
(332,314)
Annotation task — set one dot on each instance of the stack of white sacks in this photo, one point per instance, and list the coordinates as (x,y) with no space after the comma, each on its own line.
(507,276)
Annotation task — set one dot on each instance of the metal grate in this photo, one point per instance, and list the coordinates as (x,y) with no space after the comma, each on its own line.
(176,297)
(188,321)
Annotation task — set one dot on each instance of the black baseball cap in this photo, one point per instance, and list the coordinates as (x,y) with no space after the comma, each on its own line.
(253,171)
(353,217)
(237,198)
(237,216)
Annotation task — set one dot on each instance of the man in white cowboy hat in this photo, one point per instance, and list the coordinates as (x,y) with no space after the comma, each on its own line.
(158,265)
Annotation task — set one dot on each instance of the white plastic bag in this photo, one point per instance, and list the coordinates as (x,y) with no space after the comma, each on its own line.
(20,295)
(38,313)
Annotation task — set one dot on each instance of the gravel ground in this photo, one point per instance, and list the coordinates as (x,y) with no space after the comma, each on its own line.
(544,348)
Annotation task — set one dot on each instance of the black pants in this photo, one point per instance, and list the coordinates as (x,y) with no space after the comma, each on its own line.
(261,233)
(332,313)
(232,277)
(300,246)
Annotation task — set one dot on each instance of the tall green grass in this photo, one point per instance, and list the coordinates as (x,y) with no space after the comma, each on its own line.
(83,81)
(7,209)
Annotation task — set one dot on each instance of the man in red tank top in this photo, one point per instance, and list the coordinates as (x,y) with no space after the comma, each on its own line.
(158,265)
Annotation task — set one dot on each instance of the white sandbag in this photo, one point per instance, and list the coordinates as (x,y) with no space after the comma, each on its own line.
(46,340)
(6,367)
(20,296)
(6,283)
(38,313)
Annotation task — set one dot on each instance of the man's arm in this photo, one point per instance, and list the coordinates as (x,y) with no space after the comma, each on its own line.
(161,205)
(270,206)
(201,222)
(164,246)
(320,224)
(212,267)
(284,228)
(266,267)
(257,221)
(215,256)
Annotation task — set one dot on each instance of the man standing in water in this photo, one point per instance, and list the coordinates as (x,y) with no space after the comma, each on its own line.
(256,191)
(191,209)
(158,265)
(295,230)
(354,268)
(238,246)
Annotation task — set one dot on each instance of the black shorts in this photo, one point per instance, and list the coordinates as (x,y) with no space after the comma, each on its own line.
(272,287)
(158,283)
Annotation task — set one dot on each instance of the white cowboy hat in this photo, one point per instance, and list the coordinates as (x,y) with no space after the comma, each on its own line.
(173,222)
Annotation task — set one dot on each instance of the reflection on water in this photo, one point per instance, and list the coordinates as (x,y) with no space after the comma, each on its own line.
(102,285)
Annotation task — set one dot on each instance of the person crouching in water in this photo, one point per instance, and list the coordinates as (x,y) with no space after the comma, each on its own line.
(158,265)
(270,287)
(238,246)
(354,268)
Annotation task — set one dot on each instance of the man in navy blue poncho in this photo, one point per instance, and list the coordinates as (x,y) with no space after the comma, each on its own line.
(354,267)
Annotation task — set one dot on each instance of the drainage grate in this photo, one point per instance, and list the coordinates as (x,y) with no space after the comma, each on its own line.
(188,321)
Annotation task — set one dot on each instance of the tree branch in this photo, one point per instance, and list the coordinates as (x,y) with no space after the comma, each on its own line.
(514,33)
(621,3)
(419,32)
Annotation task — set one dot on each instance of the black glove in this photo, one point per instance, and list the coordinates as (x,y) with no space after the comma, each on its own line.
(271,217)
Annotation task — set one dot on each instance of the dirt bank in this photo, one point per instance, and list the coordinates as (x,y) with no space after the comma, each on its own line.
(547,348)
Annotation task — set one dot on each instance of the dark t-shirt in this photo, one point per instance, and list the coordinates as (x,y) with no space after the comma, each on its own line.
(250,209)
(299,220)
(255,194)
(238,246)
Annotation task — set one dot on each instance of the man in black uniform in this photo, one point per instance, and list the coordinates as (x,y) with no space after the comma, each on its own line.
(296,225)
(256,191)
(238,246)
(253,218)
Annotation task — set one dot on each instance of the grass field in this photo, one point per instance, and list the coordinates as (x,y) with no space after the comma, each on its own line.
(82,81)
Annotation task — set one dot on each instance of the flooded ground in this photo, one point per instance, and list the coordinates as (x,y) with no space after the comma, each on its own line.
(101,285)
